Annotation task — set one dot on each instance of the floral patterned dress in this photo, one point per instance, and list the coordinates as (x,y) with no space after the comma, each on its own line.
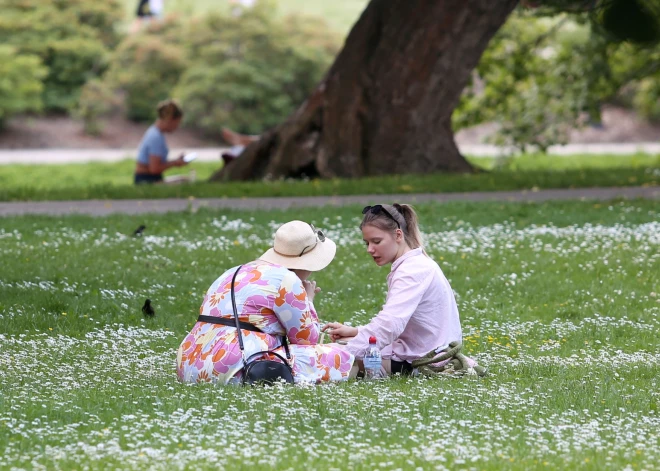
(273,299)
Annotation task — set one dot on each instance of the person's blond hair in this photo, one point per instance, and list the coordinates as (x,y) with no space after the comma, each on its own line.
(169,109)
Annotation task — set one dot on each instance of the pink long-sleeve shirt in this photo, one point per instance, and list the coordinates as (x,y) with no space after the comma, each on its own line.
(419,315)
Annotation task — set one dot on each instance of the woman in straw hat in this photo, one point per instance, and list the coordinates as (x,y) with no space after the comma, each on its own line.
(274,295)
(419,324)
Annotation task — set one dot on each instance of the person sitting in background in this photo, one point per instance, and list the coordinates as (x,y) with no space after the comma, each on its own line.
(238,144)
(152,153)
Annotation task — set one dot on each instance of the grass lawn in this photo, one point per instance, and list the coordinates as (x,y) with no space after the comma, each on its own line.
(340,14)
(561,301)
(114,180)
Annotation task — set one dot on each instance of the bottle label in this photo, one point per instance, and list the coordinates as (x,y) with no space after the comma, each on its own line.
(373,363)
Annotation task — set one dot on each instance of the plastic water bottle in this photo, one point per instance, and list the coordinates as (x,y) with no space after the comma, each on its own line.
(372,360)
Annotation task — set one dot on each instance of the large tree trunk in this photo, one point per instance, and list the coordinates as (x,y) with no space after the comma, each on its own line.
(385,105)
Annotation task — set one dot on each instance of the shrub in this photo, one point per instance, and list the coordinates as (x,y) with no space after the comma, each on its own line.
(246,72)
(71,38)
(542,77)
(96,101)
(146,69)
(71,62)
(234,94)
(647,98)
(251,72)
(20,82)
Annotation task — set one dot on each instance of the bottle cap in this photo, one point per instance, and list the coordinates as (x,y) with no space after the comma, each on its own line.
(372,339)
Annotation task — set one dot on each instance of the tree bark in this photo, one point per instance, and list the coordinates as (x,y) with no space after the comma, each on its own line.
(385,105)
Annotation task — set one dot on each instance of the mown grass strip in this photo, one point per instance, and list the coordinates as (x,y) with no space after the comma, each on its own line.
(114,180)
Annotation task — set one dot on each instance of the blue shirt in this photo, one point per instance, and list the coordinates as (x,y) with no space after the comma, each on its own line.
(153,143)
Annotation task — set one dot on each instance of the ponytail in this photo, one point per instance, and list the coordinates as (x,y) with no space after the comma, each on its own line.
(412,233)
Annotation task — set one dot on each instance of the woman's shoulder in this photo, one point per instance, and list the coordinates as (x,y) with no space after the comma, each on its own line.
(152,136)
(272,271)
(263,265)
(421,270)
(276,276)
(258,271)
(417,263)
(154,133)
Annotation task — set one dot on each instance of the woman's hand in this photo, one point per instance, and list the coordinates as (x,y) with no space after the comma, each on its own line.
(340,331)
(180,162)
(311,289)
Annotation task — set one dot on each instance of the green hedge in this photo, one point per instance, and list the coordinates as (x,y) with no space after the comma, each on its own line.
(247,72)
(20,82)
(146,69)
(72,38)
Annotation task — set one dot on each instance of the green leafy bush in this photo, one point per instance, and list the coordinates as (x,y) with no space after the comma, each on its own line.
(542,77)
(146,69)
(247,72)
(20,82)
(71,62)
(72,38)
(234,94)
(647,98)
(254,73)
(97,99)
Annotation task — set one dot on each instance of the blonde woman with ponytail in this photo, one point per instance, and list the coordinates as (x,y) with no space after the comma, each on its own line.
(420,313)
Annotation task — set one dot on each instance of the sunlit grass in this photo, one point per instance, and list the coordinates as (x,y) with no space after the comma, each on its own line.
(530,172)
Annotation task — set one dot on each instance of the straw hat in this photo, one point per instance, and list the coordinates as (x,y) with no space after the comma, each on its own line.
(300,246)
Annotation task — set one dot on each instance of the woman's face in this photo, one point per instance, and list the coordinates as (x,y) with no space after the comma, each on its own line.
(172,124)
(383,246)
